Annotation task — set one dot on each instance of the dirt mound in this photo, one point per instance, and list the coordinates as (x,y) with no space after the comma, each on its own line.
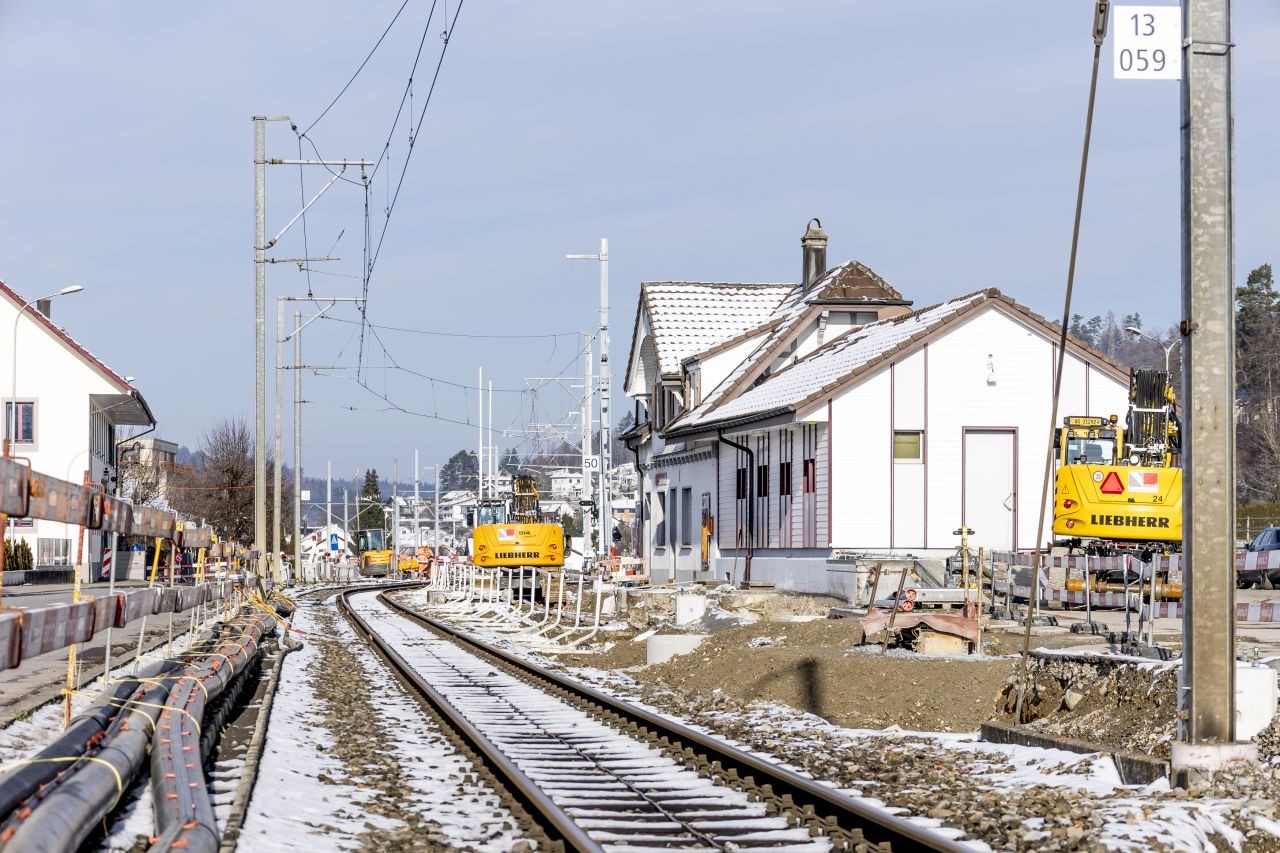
(815,667)
(1125,705)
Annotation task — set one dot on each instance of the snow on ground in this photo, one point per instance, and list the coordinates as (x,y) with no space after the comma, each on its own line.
(1136,818)
(24,738)
(300,799)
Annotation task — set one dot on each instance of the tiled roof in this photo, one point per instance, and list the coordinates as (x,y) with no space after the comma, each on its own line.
(61,333)
(837,361)
(687,317)
(854,281)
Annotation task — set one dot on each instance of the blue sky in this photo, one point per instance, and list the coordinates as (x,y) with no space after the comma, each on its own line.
(938,142)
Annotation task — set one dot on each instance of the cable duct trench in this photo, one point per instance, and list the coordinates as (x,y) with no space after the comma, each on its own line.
(172,709)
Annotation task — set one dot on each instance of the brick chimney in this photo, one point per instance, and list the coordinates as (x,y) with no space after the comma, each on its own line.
(814,246)
(43,306)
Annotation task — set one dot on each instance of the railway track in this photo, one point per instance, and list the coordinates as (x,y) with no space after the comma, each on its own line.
(597,773)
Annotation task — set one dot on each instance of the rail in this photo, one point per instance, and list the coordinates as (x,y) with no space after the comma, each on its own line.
(824,809)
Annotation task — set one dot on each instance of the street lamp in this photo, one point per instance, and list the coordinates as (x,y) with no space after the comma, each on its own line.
(1168,348)
(11,433)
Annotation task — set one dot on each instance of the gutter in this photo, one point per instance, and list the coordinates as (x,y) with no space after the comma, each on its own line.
(751,502)
(728,423)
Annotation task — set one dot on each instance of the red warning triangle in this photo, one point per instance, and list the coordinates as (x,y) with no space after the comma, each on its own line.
(1112,485)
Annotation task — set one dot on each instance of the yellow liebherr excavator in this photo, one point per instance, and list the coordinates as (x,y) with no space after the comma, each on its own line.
(511,533)
(1119,487)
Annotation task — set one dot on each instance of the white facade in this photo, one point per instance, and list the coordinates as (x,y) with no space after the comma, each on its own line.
(881,438)
(77,404)
(566,483)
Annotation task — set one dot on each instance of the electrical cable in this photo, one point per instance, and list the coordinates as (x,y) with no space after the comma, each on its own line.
(1099,34)
(435,333)
(374,50)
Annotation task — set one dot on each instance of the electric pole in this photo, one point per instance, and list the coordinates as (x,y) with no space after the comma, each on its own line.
(1207,728)
(260,260)
(606,511)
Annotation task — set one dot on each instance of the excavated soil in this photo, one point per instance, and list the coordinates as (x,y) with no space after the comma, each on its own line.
(1123,705)
(817,667)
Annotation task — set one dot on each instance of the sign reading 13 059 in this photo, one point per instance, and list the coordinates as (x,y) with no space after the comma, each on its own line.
(1148,42)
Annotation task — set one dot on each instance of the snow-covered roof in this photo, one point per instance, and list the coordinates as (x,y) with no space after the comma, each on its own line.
(835,362)
(854,281)
(688,317)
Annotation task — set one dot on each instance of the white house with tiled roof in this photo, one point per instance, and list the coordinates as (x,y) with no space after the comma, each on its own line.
(843,420)
(68,407)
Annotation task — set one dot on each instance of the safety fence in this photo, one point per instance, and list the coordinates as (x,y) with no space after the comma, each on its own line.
(507,601)
(30,631)
(1138,595)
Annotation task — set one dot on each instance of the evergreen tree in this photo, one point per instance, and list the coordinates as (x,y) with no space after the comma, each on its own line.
(370,516)
(461,472)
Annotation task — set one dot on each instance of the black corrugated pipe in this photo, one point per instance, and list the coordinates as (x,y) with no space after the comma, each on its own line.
(751,502)
(27,778)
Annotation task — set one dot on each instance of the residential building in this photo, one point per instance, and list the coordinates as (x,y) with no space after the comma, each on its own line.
(566,483)
(780,423)
(150,473)
(65,418)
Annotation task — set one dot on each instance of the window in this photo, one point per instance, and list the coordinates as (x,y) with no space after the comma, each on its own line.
(53,552)
(1092,451)
(24,432)
(21,522)
(668,405)
(810,476)
(785,486)
(740,492)
(675,509)
(853,318)
(660,522)
(908,445)
(762,481)
(686,518)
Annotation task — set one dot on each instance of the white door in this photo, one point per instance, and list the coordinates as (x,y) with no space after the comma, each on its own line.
(990,491)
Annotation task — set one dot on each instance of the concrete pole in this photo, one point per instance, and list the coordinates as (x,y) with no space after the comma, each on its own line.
(1208,389)
(606,510)
(480,435)
(435,547)
(328,499)
(260,337)
(297,446)
(588,403)
(493,449)
(345,534)
(395,515)
(417,506)
(276,499)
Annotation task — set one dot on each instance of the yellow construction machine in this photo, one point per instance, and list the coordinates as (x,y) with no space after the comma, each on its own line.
(1119,487)
(511,533)
(375,556)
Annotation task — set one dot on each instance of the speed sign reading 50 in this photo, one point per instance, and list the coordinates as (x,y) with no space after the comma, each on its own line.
(1147,41)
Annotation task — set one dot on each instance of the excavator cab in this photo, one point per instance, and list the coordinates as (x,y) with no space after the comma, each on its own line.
(1119,487)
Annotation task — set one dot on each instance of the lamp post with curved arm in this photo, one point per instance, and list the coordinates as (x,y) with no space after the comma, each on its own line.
(11,434)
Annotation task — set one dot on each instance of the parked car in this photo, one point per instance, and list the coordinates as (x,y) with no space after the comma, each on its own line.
(1267,540)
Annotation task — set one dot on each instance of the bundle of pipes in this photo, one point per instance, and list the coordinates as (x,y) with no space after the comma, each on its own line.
(56,799)
(1164,591)
(184,812)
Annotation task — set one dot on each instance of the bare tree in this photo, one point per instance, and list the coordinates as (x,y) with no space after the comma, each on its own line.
(220,490)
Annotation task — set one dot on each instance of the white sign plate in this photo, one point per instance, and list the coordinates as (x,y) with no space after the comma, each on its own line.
(1147,42)
(305,494)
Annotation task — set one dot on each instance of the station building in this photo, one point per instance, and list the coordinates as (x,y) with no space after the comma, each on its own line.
(799,424)
(65,418)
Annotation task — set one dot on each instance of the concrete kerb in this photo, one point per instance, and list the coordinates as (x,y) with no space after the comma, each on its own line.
(1134,767)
